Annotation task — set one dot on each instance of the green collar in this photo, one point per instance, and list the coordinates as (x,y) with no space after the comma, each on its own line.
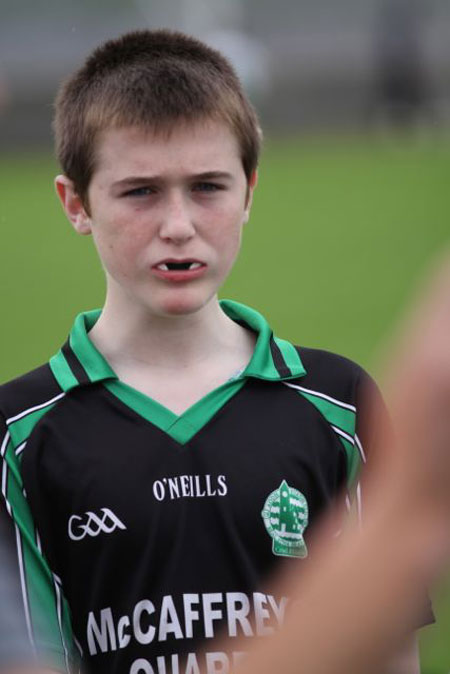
(78,362)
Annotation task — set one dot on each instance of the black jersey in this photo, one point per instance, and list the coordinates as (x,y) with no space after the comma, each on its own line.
(141,535)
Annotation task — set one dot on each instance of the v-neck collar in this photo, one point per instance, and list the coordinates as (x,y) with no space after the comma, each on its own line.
(79,363)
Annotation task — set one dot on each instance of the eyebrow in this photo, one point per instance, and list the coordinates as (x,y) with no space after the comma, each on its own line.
(144,180)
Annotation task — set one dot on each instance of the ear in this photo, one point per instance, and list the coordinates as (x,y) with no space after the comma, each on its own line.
(250,189)
(72,205)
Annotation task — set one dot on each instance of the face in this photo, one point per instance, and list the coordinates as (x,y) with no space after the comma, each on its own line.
(166,214)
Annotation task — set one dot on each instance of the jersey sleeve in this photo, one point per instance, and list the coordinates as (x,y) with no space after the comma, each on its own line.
(373,426)
(34,618)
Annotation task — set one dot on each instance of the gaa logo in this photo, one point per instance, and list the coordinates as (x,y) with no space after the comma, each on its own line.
(93,525)
(285,516)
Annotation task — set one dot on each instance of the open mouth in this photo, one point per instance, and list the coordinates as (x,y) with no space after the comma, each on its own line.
(179,266)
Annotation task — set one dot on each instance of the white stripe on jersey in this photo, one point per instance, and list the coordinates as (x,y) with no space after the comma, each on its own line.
(20,448)
(60,621)
(343,434)
(4,445)
(360,447)
(24,588)
(318,394)
(359,501)
(5,472)
(25,413)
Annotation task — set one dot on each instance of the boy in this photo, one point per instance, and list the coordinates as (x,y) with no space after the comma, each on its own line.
(167,457)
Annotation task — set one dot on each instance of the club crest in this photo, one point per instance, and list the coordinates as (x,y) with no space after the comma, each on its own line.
(285,516)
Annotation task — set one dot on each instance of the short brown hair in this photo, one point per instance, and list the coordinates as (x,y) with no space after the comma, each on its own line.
(151,79)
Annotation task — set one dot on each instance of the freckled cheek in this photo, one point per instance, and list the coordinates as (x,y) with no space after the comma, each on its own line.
(227,230)
(227,243)
(121,253)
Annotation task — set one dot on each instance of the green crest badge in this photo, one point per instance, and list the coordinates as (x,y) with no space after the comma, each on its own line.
(285,515)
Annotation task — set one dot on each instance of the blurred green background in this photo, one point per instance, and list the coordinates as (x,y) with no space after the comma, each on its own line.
(341,232)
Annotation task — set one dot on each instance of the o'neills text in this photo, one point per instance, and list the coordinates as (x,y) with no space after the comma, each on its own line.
(189,486)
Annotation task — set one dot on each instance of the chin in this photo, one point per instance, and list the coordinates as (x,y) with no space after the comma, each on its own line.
(181,305)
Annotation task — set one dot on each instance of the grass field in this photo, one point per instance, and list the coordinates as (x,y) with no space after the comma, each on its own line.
(340,233)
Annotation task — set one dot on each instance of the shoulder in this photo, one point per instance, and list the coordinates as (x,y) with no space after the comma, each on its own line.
(29,392)
(334,375)
(331,378)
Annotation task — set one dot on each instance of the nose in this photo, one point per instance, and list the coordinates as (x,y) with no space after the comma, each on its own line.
(176,222)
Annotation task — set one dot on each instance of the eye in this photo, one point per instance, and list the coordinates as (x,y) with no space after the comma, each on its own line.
(207,187)
(139,192)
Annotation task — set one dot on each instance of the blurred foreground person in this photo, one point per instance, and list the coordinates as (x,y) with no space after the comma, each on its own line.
(362,596)
(356,606)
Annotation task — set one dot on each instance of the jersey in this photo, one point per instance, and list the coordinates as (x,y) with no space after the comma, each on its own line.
(141,535)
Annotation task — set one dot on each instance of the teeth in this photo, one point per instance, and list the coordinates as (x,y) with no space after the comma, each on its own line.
(192,265)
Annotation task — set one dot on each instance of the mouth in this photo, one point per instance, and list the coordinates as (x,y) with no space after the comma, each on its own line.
(179,266)
(179,270)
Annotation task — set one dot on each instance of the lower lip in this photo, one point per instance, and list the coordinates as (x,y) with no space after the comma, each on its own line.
(179,276)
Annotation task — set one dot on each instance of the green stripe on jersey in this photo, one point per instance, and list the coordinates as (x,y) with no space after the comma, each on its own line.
(21,429)
(62,372)
(345,420)
(38,588)
(262,365)
(183,427)
(52,641)
(93,362)
(291,357)
(353,463)
(335,414)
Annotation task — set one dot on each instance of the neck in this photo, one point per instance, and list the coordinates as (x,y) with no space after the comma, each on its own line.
(132,334)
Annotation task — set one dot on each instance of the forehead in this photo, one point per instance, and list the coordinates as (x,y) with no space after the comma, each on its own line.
(193,148)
